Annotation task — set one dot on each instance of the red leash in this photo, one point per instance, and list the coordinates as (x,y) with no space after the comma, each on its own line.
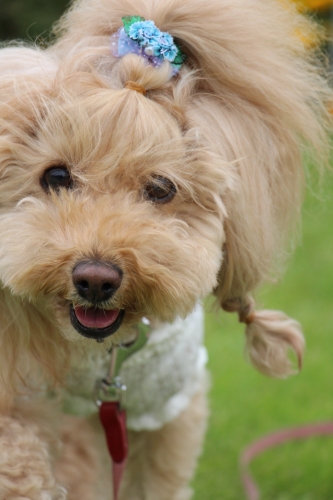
(270,441)
(113,419)
(109,394)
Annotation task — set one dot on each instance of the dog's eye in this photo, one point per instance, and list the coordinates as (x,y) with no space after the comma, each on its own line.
(161,190)
(56,177)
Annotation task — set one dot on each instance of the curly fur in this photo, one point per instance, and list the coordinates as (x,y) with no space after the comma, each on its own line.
(228,132)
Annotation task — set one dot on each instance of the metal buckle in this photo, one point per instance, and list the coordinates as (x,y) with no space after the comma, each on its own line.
(107,390)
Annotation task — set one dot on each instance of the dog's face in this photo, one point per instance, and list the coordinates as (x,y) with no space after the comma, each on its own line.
(105,219)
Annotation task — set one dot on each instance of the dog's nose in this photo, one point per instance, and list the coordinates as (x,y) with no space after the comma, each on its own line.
(96,281)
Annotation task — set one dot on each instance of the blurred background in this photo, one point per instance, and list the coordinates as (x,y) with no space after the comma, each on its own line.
(244,404)
(28,19)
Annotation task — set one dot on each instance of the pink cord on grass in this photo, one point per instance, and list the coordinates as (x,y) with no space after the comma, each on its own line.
(270,441)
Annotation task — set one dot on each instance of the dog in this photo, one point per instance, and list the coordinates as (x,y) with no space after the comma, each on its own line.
(151,155)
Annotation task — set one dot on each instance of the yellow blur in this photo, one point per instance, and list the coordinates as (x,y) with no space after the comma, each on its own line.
(316,4)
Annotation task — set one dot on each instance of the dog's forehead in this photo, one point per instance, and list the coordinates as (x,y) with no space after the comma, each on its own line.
(111,131)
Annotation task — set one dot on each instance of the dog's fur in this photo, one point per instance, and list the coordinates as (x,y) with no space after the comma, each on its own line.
(227,132)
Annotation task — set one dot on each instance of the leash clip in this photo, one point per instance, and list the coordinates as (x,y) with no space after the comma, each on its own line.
(110,390)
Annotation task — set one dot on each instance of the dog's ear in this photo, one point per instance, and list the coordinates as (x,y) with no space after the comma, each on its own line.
(19,60)
(263,100)
(20,65)
(262,97)
(24,73)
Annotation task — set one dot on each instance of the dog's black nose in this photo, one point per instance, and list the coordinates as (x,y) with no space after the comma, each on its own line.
(96,281)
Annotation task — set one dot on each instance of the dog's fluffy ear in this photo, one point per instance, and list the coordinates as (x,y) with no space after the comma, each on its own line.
(20,65)
(25,74)
(20,60)
(267,98)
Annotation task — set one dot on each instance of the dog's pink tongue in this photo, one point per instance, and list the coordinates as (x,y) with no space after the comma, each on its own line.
(96,318)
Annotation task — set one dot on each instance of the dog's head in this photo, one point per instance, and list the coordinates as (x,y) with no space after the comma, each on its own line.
(117,205)
(113,211)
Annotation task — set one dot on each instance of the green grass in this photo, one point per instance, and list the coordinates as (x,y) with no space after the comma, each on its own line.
(245,405)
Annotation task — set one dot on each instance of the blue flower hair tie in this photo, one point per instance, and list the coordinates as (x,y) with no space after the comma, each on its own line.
(141,37)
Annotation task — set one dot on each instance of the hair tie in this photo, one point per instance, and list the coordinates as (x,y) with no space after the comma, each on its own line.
(135,86)
(244,307)
(248,319)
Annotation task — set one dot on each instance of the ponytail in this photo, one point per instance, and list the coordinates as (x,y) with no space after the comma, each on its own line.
(269,335)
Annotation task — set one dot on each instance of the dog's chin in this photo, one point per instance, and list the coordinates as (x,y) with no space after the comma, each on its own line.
(95,323)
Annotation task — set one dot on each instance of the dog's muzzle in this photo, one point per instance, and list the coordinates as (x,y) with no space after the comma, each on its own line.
(96,282)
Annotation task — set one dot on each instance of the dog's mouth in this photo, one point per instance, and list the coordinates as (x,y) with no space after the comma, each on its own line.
(95,323)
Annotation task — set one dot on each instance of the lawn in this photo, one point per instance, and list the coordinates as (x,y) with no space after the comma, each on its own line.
(245,405)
